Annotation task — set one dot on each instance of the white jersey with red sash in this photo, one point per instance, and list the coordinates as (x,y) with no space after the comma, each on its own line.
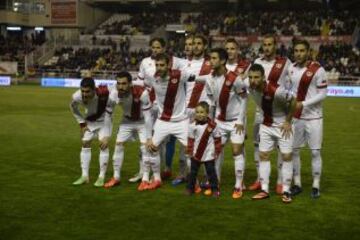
(273,102)
(147,69)
(275,70)
(95,109)
(133,104)
(307,82)
(195,90)
(170,95)
(225,92)
(204,141)
(240,67)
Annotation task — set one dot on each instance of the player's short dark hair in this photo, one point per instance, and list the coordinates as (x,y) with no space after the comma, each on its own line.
(162,56)
(221,52)
(302,42)
(204,105)
(202,37)
(232,40)
(257,68)
(189,36)
(124,74)
(270,36)
(158,39)
(88,82)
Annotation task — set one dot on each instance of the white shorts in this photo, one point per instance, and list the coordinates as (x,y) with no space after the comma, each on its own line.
(272,136)
(228,130)
(308,131)
(257,122)
(127,131)
(163,129)
(96,129)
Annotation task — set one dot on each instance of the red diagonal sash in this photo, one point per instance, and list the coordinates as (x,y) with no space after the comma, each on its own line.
(267,103)
(170,96)
(276,70)
(204,140)
(225,94)
(199,86)
(304,84)
(136,102)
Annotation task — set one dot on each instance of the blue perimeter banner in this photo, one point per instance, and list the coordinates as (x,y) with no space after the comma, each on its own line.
(333,91)
(5,80)
(343,91)
(72,82)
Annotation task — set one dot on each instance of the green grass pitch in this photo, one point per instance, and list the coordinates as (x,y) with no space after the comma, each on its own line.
(39,159)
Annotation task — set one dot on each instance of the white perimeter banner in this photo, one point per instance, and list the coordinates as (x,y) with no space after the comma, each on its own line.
(8,68)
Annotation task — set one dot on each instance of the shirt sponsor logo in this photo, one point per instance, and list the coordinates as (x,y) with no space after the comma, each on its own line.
(309,74)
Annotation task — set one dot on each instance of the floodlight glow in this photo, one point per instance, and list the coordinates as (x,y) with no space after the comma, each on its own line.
(13,28)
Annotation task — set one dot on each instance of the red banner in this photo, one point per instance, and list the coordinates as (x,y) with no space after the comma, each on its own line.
(63,11)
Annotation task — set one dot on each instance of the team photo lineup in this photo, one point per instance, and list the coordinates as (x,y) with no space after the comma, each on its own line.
(189,120)
(201,101)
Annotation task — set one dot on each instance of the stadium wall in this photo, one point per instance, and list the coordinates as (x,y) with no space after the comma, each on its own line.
(87,17)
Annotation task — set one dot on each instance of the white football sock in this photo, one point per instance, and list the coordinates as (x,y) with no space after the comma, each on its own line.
(143,151)
(279,167)
(287,171)
(264,170)
(239,170)
(103,161)
(316,164)
(146,166)
(155,165)
(297,166)
(85,158)
(118,159)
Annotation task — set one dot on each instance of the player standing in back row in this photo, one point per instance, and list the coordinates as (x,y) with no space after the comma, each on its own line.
(309,83)
(276,69)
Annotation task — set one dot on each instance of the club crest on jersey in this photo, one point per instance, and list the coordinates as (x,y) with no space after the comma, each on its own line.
(278,65)
(309,74)
(209,129)
(174,80)
(228,83)
(240,70)
(207,63)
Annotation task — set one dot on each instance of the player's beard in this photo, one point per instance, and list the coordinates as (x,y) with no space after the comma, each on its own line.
(122,93)
(301,61)
(269,54)
(198,55)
